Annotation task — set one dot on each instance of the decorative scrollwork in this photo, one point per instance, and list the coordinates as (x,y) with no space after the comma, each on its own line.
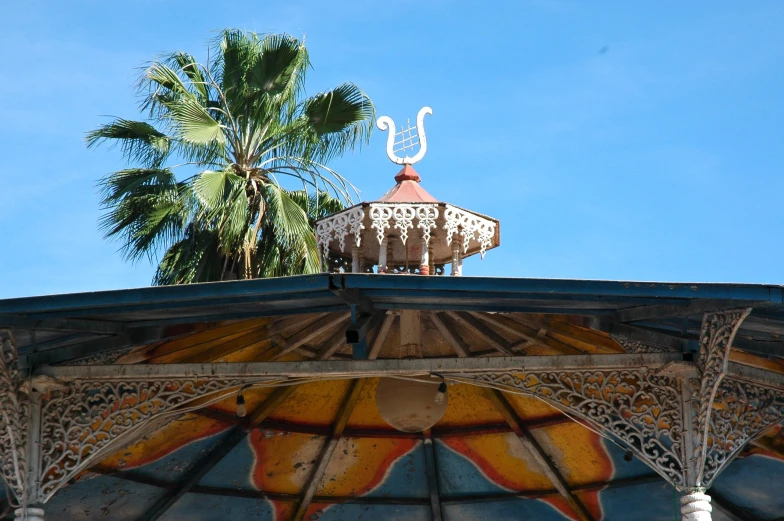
(635,347)
(92,418)
(404,219)
(102,358)
(14,422)
(355,220)
(718,332)
(324,235)
(340,228)
(380,216)
(470,227)
(427,216)
(741,412)
(635,406)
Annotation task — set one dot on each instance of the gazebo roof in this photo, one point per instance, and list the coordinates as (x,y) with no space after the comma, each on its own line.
(407,188)
(325,441)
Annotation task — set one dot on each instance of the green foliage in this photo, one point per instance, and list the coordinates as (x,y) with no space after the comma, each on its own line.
(238,124)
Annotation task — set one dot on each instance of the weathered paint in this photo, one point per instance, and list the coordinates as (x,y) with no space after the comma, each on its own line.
(273,460)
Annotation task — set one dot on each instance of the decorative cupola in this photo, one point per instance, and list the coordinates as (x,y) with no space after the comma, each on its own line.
(407,230)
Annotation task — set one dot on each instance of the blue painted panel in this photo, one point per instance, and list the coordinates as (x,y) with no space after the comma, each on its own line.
(173,466)
(646,502)
(509,510)
(458,475)
(356,512)
(204,507)
(102,498)
(624,469)
(234,470)
(406,478)
(755,483)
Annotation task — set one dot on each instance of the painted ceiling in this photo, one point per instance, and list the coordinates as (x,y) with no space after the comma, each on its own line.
(211,465)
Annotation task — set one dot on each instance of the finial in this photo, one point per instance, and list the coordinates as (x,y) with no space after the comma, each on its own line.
(408,138)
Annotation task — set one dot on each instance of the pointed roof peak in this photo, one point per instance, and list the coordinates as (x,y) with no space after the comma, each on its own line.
(407,173)
(407,189)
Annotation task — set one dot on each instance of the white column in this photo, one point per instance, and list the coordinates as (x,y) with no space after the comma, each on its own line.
(424,262)
(29,514)
(382,256)
(457,259)
(355,264)
(696,506)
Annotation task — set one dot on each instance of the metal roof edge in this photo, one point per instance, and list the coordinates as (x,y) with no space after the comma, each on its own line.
(324,283)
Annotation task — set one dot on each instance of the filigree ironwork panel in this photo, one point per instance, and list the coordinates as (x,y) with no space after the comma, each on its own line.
(93,418)
(637,347)
(14,422)
(716,336)
(741,412)
(636,406)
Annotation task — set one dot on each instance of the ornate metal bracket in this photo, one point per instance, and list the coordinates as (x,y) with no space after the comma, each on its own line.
(687,422)
(718,332)
(51,431)
(15,417)
(634,406)
(88,420)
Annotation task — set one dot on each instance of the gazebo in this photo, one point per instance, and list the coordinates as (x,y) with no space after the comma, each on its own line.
(386,389)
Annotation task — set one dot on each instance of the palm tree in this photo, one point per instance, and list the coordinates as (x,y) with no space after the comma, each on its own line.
(238,125)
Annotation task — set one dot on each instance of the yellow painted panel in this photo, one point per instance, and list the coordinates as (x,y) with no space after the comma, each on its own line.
(164,440)
(358,465)
(284,461)
(577,452)
(468,405)
(530,408)
(313,403)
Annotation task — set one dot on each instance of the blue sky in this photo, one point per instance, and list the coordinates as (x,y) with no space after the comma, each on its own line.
(614,140)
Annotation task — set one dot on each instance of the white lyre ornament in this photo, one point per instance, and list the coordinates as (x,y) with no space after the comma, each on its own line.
(408,138)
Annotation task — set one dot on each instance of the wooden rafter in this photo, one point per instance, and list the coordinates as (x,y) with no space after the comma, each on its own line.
(532,335)
(329,448)
(272,333)
(333,343)
(571,332)
(495,340)
(381,336)
(309,333)
(452,338)
(539,455)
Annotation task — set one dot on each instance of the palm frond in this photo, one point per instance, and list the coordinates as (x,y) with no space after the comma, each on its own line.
(146,210)
(194,258)
(338,121)
(193,123)
(284,214)
(240,119)
(280,69)
(139,141)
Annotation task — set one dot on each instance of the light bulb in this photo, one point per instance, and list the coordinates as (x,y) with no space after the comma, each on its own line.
(241,409)
(441,393)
